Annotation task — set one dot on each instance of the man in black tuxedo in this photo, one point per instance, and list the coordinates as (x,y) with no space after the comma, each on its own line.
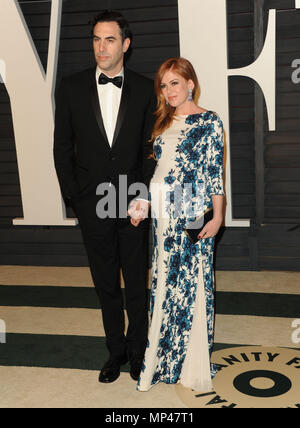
(103,123)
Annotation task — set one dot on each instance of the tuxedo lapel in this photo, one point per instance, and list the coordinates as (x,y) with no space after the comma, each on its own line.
(97,110)
(122,109)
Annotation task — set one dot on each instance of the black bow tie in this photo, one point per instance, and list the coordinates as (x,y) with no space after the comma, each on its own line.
(103,80)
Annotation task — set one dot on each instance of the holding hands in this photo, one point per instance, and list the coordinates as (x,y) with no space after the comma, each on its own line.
(138,210)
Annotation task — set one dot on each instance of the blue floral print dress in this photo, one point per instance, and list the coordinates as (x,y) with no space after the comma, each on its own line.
(190,156)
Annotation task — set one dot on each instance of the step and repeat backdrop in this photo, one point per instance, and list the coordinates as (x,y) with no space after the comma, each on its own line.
(247,57)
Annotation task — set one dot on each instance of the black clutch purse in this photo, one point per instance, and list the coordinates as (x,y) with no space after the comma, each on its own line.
(194,228)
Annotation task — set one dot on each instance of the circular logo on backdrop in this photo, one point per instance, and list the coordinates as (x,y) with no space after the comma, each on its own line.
(250,377)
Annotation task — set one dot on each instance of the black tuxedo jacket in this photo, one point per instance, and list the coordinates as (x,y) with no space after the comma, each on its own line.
(82,154)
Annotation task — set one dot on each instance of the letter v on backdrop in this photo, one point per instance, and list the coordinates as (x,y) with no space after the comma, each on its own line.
(31,94)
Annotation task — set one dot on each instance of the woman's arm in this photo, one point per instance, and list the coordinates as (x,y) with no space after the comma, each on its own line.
(215,186)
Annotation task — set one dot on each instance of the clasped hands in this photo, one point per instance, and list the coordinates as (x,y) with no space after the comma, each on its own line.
(138,210)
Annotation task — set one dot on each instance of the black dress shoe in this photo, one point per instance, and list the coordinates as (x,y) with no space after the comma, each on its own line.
(136,364)
(111,369)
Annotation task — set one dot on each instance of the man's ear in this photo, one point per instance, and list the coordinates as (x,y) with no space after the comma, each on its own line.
(126,44)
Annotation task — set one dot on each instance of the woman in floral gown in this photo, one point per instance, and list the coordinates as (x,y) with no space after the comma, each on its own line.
(188,147)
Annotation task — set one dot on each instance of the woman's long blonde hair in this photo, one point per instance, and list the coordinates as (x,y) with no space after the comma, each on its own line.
(165,113)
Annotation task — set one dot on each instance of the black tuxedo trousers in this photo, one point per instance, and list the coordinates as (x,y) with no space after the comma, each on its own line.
(83,160)
(111,245)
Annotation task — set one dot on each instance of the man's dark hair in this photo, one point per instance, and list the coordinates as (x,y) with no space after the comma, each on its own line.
(113,16)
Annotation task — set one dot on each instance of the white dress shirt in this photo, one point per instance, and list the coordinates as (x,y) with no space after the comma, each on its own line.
(109,98)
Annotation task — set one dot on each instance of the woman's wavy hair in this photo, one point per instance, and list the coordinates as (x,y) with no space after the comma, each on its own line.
(165,113)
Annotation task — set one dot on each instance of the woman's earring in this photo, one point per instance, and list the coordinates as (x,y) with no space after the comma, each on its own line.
(167,103)
(190,95)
